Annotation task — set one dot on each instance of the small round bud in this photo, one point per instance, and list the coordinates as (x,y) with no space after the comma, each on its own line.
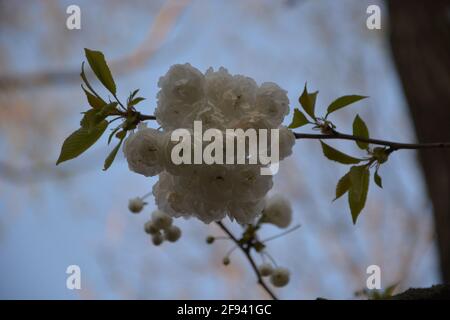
(278,211)
(172,233)
(150,228)
(226,261)
(161,219)
(136,205)
(265,269)
(210,239)
(280,277)
(157,239)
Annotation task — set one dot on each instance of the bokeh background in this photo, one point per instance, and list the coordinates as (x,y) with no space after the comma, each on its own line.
(52,217)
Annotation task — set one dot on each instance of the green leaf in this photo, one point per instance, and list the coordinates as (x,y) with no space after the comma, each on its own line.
(109,160)
(108,109)
(94,102)
(357,194)
(377,179)
(308,102)
(111,135)
(93,117)
(381,154)
(338,156)
(80,141)
(342,102)
(133,94)
(298,120)
(83,76)
(360,130)
(121,135)
(98,64)
(136,101)
(90,119)
(343,185)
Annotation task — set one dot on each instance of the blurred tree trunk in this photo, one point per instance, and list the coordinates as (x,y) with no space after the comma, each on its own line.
(420,41)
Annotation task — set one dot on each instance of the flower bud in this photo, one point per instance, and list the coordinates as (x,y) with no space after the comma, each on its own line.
(150,228)
(172,233)
(280,277)
(161,220)
(157,239)
(265,269)
(278,211)
(136,205)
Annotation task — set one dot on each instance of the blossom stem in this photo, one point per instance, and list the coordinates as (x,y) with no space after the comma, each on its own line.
(246,250)
(147,195)
(266,254)
(281,234)
(231,251)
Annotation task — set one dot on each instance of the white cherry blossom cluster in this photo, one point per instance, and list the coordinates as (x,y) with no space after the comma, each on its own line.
(220,101)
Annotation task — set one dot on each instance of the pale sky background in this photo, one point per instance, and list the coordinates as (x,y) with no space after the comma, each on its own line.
(52,217)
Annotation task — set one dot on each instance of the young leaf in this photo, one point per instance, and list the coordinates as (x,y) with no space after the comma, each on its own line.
(94,102)
(308,102)
(90,119)
(133,94)
(136,101)
(111,135)
(342,102)
(121,135)
(342,186)
(86,82)
(98,64)
(93,117)
(108,109)
(337,155)
(357,194)
(80,141)
(109,160)
(377,179)
(381,154)
(360,130)
(298,120)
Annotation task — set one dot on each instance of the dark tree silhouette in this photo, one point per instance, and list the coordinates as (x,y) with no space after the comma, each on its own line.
(420,41)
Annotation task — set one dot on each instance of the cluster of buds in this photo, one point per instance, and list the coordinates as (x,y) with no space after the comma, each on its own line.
(160,227)
(278,212)
(279,276)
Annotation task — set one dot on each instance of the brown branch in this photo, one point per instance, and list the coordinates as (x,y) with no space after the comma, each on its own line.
(144,117)
(391,144)
(246,251)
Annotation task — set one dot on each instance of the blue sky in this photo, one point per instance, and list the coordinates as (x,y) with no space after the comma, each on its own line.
(48,224)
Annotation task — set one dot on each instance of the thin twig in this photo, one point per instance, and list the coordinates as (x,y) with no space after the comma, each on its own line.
(281,234)
(246,251)
(342,136)
(393,145)
(143,117)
